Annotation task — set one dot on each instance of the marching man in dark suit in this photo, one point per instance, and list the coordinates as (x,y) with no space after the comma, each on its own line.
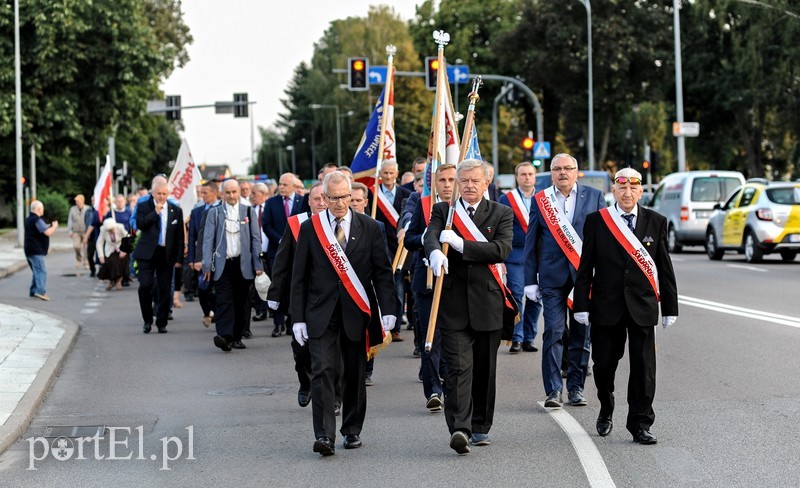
(626,267)
(159,247)
(231,248)
(472,301)
(339,267)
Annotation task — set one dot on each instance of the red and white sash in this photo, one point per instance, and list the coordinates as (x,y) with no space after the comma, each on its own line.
(340,262)
(560,227)
(387,208)
(519,208)
(426,209)
(623,234)
(470,232)
(294,223)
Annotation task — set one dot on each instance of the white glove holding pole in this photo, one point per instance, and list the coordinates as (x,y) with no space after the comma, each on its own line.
(532,292)
(300,332)
(438,262)
(667,321)
(273,305)
(582,318)
(450,237)
(388,322)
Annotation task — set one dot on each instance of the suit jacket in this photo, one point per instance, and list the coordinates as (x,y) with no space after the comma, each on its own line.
(413,242)
(148,223)
(281,286)
(273,220)
(316,287)
(518,244)
(615,280)
(391,232)
(215,243)
(470,294)
(408,209)
(545,262)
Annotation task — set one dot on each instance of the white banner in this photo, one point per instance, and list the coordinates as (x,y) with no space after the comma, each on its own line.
(102,191)
(184,180)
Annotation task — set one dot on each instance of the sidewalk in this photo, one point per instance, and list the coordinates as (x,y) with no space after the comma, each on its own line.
(33,347)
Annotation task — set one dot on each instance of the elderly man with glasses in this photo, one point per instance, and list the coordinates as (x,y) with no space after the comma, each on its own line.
(552,255)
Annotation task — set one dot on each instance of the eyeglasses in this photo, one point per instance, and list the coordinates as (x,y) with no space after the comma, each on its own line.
(564,169)
(340,198)
(628,179)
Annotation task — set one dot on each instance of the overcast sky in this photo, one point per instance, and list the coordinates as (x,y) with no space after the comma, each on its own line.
(249,46)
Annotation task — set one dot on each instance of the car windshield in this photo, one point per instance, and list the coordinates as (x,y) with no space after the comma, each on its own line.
(784,196)
(713,188)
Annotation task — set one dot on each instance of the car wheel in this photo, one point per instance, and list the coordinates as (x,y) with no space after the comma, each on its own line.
(713,251)
(673,246)
(788,255)
(752,253)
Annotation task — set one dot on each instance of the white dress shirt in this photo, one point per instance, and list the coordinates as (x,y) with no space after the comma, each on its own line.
(259,211)
(634,212)
(162,221)
(345,224)
(233,229)
(567,203)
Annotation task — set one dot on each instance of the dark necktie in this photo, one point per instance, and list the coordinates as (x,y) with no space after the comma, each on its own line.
(286,209)
(629,218)
(339,232)
(259,216)
(471,212)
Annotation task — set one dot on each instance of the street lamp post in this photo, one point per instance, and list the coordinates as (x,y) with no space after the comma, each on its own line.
(679,82)
(18,112)
(313,150)
(315,106)
(587,4)
(294,162)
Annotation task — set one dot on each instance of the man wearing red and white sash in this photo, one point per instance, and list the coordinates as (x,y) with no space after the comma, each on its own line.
(521,201)
(626,266)
(473,297)
(341,274)
(552,256)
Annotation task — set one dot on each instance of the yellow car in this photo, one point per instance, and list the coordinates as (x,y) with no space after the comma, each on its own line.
(758,218)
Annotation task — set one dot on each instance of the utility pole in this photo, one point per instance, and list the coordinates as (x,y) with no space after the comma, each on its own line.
(679,82)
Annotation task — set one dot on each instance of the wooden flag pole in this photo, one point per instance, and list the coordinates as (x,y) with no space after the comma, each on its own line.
(390,52)
(465,141)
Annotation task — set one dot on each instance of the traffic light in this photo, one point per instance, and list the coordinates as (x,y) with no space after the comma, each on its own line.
(527,145)
(240,110)
(431,71)
(358,74)
(173,101)
(646,165)
(537,163)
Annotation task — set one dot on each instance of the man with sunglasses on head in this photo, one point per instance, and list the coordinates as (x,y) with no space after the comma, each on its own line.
(626,266)
(552,255)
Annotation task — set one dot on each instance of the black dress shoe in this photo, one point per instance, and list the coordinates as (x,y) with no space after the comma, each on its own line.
(604,425)
(352,441)
(146,328)
(303,398)
(515,347)
(162,330)
(324,446)
(553,400)
(259,317)
(276,331)
(529,347)
(644,437)
(222,343)
(459,442)
(169,317)
(247,334)
(238,345)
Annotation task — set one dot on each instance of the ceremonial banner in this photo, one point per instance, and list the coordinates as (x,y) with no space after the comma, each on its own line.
(444,123)
(365,160)
(102,191)
(184,180)
(619,229)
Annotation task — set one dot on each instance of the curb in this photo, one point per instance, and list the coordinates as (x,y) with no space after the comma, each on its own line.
(16,425)
(18,266)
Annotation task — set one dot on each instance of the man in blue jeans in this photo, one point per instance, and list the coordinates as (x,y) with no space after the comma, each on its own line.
(520,201)
(37,243)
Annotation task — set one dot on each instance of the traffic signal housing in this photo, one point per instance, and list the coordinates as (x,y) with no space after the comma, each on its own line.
(527,146)
(173,101)
(431,71)
(358,74)
(240,110)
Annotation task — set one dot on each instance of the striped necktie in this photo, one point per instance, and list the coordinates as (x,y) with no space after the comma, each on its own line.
(339,232)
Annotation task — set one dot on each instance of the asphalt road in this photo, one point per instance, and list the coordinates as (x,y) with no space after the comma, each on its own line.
(726,402)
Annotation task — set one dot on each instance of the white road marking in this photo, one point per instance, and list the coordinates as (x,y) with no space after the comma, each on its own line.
(677,259)
(740,311)
(750,268)
(590,458)
(88,311)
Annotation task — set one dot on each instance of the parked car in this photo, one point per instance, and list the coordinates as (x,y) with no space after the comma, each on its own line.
(758,218)
(687,200)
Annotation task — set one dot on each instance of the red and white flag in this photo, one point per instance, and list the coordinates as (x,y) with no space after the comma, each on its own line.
(184,180)
(102,191)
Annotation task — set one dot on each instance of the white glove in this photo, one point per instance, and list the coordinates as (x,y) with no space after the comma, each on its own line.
(533,293)
(388,322)
(582,318)
(438,262)
(300,332)
(667,321)
(273,305)
(422,237)
(450,237)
